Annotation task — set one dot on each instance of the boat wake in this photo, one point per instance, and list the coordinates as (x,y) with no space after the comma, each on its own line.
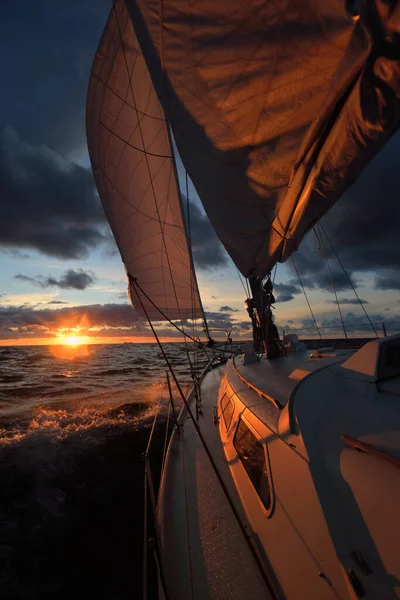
(71,500)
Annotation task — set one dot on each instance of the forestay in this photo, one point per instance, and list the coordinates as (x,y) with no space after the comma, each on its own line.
(276,107)
(132,163)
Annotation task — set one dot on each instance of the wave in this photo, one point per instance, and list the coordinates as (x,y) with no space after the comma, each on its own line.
(71,520)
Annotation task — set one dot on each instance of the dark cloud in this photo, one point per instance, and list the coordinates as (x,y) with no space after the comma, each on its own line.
(95,320)
(14,253)
(47,203)
(363,227)
(93,315)
(70,280)
(228,309)
(285,292)
(285,297)
(348,301)
(45,74)
(354,324)
(208,251)
(122,296)
(224,320)
(388,280)
(57,302)
(242,326)
(331,325)
(287,288)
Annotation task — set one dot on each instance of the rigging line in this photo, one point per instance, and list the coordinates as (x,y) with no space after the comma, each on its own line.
(189,548)
(134,282)
(241,281)
(145,502)
(153,426)
(276,268)
(145,536)
(349,280)
(191,280)
(332,282)
(166,437)
(246,535)
(306,297)
(189,234)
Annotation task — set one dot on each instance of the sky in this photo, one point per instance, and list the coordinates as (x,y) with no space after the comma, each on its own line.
(60,271)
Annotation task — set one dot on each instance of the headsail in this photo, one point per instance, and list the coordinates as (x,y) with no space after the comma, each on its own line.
(133,166)
(276,107)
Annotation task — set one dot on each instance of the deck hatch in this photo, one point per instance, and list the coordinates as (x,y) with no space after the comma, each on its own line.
(252,455)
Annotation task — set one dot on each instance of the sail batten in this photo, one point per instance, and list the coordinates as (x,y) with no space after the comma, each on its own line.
(134,169)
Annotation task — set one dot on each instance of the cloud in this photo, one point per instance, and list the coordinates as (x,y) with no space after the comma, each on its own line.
(14,253)
(47,203)
(330,325)
(86,316)
(95,320)
(363,228)
(286,291)
(57,302)
(348,301)
(56,44)
(388,280)
(228,309)
(208,251)
(70,280)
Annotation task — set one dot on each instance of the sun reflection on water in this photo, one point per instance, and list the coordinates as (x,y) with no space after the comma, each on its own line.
(71,351)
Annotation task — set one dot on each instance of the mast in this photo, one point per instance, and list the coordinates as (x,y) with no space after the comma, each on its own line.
(259,307)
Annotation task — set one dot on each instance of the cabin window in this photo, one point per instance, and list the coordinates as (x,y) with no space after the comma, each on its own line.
(252,455)
(227,410)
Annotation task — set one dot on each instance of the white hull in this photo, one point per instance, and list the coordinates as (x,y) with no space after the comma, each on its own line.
(331,514)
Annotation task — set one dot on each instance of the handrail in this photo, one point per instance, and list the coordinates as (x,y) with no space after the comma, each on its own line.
(261,393)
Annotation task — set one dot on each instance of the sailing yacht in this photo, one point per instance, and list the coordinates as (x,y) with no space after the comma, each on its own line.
(281,478)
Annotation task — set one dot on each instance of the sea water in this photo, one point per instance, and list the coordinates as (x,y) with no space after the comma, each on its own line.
(74,423)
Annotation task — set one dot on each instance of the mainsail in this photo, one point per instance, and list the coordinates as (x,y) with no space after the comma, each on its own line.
(130,151)
(275,107)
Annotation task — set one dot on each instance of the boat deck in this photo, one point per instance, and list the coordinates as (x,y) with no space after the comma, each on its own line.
(281,377)
(198,524)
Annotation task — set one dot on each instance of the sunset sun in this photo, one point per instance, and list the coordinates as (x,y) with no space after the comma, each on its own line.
(73,340)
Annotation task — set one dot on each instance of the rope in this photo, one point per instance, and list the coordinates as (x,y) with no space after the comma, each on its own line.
(333,284)
(235,512)
(166,438)
(276,268)
(134,281)
(145,501)
(189,550)
(305,295)
(192,282)
(349,280)
(153,426)
(246,293)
